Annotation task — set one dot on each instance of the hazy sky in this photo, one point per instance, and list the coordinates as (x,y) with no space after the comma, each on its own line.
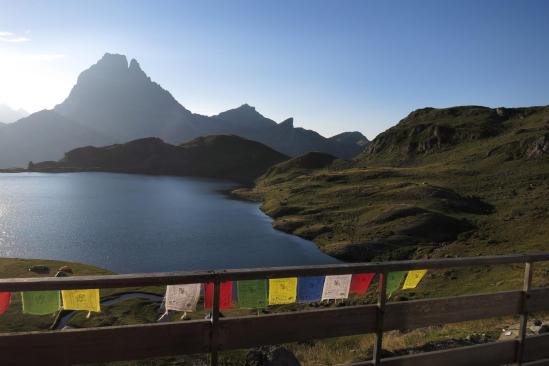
(333,65)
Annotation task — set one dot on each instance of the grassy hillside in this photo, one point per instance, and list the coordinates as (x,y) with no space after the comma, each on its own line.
(442,182)
(14,319)
(220,156)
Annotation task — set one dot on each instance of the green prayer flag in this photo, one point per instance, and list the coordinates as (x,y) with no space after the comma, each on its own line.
(252,294)
(41,302)
(394,280)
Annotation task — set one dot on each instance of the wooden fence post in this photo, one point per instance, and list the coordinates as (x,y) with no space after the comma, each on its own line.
(528,271)
(215,321)
(381,299)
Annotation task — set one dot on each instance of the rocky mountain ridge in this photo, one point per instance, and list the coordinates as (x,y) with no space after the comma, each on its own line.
(114,101)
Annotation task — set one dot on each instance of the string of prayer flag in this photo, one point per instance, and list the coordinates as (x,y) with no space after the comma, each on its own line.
(41,302)
(86,300)
(414,278)
(282,290)
(336,287)
(361,282)
(394,279)
(225,295)
(5,298)
(252,294)
(309,289)
(182,297)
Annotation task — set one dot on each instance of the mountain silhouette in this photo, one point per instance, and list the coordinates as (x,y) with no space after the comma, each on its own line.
(216,156)
(42,134)
(114,101)
(8,115)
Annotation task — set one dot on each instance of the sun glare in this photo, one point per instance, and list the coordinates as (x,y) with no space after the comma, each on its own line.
(32,81)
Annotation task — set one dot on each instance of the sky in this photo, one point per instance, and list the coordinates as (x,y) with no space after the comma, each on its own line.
(334,66)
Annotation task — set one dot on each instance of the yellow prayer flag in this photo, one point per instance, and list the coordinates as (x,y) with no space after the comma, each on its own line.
(282,290)
(413,278)
(87,300)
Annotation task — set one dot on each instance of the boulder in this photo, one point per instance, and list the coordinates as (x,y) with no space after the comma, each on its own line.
(271,356)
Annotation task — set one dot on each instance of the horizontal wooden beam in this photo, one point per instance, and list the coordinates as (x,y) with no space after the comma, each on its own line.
(167,278)
(249,331)
(488,354)
(377,267)
(538,299)
(537,347)
(76,346)
(105,281)
(544,362)
(421,313)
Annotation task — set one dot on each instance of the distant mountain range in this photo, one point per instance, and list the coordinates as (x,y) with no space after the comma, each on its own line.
(222,157)
(8,115)
(115,102)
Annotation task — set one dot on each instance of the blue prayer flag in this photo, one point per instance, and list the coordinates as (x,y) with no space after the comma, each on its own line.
(309,289)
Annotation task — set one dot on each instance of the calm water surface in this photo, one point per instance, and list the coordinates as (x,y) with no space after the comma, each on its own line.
(136,223)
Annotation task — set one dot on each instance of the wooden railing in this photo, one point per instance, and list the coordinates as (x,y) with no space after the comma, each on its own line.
(117,343)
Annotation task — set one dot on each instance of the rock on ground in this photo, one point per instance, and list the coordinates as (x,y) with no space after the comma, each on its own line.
(271,356)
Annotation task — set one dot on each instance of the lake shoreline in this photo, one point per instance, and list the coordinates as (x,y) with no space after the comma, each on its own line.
(178,218)
(240,191)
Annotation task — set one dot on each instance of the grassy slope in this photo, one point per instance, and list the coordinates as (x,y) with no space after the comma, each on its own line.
(456,164)
(14,319)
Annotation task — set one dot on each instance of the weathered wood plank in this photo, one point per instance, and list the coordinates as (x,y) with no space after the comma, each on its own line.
(538,299)
(378,267)
(251,331)
(495,353)
(536,347)
(166,278)
(421,313)
(105,281)
(105,344)
(544,362)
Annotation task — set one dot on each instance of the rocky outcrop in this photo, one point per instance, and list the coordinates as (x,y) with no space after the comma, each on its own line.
(271,356)
(428,131)
(538,148)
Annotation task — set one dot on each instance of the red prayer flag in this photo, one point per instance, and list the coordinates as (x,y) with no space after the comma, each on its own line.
(360,282)
(5,298)
(225,295)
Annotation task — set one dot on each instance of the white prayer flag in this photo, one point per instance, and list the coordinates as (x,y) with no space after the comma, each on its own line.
(336,287)
(182,297)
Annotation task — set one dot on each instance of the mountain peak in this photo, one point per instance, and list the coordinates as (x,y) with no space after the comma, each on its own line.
(134,66)
(288,123)
(8,114)
(113,61)
(244,112)
(246,107)
(117,99)
(135,69)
